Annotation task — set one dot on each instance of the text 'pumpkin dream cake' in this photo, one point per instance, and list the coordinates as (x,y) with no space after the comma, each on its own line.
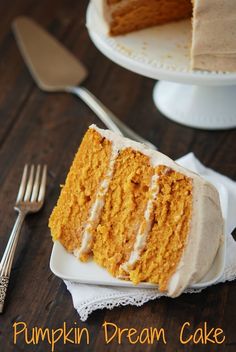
(137,213)
(213,45)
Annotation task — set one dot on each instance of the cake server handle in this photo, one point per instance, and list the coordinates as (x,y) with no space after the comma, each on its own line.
(106,116)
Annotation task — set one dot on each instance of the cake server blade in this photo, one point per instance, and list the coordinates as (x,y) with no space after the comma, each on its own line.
(55,69)
(52,66)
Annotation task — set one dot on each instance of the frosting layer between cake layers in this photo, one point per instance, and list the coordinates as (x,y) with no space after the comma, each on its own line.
(96,208)
(205,231)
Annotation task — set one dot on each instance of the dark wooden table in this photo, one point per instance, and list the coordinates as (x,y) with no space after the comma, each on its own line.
(47,128)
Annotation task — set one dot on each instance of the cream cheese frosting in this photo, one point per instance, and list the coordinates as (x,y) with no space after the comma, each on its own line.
(206,229)
(214,35)
(144,229)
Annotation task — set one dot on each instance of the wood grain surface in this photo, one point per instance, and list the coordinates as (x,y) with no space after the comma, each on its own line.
(47,128)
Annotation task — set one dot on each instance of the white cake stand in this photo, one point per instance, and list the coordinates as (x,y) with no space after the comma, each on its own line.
(198,99)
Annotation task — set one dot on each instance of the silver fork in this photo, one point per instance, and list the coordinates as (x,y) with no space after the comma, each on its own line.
(30,199)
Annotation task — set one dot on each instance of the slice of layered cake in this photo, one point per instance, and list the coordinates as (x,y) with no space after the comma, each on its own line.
(137,213)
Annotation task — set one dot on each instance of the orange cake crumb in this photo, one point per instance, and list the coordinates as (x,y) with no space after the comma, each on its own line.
(88,169)
(167,238)
(124,206)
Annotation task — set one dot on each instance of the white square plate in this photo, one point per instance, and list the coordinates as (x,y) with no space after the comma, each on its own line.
(67,267)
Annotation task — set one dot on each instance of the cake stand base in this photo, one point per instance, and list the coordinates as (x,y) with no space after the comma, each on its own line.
(202,107)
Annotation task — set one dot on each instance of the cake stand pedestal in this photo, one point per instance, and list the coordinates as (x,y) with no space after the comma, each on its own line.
(199,99)
(197,106)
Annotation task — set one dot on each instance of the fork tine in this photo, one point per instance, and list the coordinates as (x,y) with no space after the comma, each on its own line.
(43,185)
(36,185)
(22,185)
(29,184)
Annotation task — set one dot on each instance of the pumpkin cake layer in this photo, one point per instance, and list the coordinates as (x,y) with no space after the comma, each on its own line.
(129,15)
(172,210)
(86,174)
(124,203)
(137,213)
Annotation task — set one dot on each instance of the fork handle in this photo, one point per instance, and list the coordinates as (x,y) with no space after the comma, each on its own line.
(7,258)
(4,280)
(106,116)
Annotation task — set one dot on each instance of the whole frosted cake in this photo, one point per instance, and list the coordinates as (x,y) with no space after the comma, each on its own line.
(137,213)
(213,45)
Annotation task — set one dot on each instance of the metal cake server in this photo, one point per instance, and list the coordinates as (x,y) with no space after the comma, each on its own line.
(55,69)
